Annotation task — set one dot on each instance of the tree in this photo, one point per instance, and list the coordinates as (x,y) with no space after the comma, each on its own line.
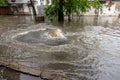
(59,8)
(3,3)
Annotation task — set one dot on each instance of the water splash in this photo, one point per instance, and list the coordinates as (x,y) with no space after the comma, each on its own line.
(47,36)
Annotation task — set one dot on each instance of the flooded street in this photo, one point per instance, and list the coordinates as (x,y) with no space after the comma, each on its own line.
(91,48)
(7,74)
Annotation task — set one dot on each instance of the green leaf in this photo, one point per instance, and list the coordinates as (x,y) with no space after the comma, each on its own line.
(71,6)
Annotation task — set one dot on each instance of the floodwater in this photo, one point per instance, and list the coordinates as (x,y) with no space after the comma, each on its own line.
(91,50)
(8,74)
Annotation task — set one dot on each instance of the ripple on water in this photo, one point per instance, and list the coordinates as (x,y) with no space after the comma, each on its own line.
(91,54)
(53,37)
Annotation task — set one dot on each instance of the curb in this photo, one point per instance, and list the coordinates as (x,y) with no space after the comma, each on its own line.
(47,75)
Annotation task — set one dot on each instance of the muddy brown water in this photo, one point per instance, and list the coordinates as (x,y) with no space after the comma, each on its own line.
(92,53)
(8,74)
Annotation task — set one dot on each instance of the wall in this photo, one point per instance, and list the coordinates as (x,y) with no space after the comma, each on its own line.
(109,9)
(19,1)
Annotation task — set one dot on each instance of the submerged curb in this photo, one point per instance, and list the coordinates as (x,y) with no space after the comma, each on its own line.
(47,75)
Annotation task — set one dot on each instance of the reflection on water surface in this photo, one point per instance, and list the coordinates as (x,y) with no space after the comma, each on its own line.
(8,74)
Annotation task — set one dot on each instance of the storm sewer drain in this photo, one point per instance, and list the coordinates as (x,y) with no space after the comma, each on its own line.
(52,37)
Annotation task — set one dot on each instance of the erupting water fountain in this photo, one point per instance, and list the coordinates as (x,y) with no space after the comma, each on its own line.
(46,36)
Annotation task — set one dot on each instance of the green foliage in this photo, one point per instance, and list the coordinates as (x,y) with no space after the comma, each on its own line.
(97,5)
(3,3)
(51,10)
(71,6)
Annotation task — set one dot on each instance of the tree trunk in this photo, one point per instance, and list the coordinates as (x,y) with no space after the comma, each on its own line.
(69,15)
(33,7)
(60,11)
(69,11)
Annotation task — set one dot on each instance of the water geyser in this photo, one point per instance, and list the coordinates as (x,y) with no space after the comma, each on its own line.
(48,36)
